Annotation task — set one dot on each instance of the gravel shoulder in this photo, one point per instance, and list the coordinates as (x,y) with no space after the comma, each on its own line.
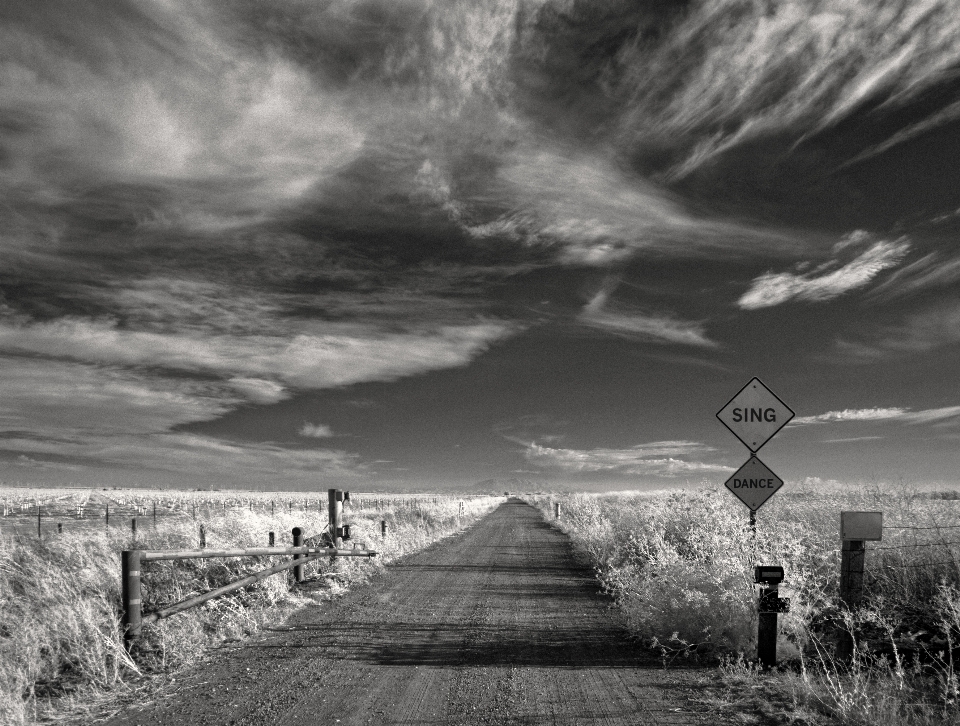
(499,624)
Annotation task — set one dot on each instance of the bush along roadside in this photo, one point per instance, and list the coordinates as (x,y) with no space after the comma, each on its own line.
(680,567)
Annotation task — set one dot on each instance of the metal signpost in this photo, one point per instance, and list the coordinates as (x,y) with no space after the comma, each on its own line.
(754,416)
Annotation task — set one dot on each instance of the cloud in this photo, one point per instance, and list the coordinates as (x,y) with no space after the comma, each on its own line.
(253,464)
(655,329)
(316,431)
(902,415)
(936,326)
(656,459)
(164,94)
(599,215)
(336,355)
(641,326)
(927,273)
(258,390)
(772,71)
(776,288)
(849,414)
(66,400)
(77,417)
(852,439)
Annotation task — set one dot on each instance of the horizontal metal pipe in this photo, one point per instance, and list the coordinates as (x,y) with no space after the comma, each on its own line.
(148,556)
(235,585)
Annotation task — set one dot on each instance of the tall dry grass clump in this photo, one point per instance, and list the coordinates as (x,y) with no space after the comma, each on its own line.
(680,566)
(60,641)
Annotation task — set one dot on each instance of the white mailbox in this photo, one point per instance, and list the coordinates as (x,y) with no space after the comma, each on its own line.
(861,525)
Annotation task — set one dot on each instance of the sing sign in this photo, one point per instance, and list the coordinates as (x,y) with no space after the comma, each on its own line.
(755,414)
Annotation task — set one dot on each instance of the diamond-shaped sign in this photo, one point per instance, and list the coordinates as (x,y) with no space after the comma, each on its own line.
(755,414)
(754,483)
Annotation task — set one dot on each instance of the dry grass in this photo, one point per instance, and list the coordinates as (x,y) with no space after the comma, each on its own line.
(680,565)
(60,642)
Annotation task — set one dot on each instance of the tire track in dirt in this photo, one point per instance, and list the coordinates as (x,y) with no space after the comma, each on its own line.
(496,625)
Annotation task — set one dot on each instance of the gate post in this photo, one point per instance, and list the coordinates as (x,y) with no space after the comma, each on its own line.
(298,542)
(130,594)
(335,516)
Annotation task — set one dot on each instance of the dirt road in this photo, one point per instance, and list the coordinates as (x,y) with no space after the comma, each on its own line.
(497,625)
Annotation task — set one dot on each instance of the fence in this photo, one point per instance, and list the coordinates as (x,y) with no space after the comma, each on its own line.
(47,516)
(132,561)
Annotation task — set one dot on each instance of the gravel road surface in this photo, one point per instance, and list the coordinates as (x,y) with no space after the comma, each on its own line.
(496,625)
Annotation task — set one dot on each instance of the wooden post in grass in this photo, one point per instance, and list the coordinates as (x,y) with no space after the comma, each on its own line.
(38,521)
(108,517)
(203,537)
(270,539)
(154,513)
(855,529)
(298,542)
(130,588)
(383,528)
(556,510)
(133,529)
(335,516)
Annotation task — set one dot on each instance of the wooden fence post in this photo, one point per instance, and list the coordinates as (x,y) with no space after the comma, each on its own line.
(298,542)
(556,510)
(335,516)
(270,540)
(383,528)
(851,572)
(130,587)
(855,529)
(203,537)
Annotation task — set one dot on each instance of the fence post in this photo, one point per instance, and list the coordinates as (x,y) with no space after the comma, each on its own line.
(335,516)
(851,589)
(556,510)
(383,528)
(270,539)
(298,542)
(108,516)
(154,514)
(203,537)
(133,529)
(851,572)
(38,522)
(59,528)
(130,588)
(855,529)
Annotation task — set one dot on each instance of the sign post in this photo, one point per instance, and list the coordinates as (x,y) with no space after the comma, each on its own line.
(754,415)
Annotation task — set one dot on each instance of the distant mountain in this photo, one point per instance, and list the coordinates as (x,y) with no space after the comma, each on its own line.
(508,484)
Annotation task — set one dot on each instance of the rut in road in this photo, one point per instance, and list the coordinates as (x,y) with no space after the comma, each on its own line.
(496,625)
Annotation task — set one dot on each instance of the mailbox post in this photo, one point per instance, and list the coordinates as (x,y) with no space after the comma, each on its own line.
(769,578)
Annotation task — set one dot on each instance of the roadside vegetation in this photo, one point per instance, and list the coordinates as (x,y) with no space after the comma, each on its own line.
(680,566)
(61,650)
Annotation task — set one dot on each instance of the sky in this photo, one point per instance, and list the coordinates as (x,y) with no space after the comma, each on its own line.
(415,245)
